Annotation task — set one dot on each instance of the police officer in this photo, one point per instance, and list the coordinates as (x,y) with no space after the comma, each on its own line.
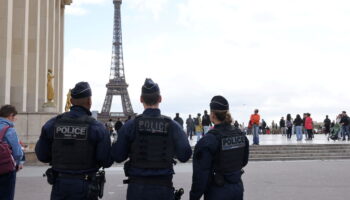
(151,141)
(219,157)
(76,146)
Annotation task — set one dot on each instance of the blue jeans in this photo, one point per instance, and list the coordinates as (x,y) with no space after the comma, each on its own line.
(189,132)
(70,189)
(255,134)
(299,132)
(345,131)
(7,186)
(149,192)
(205,129)
(199,135)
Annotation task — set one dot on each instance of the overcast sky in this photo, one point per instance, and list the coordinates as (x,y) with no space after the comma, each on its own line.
(281,56)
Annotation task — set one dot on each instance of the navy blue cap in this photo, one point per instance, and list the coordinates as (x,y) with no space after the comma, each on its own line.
(150,87)
(219,103)
(81,90)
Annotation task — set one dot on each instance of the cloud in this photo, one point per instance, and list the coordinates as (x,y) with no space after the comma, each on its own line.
(154,6)
(78,6)
(276,55)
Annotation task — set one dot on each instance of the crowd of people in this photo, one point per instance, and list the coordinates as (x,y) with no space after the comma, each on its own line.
(301,127)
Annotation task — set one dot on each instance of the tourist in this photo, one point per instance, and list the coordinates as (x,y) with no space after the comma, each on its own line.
(206,123)
(327,125)
(255,119)
(309,126)
(198,126)
(9,136)
(236,124)
(189,126)
(298,123)
(110,126)
(179,120)
(344,122)
(282,126)
(263,126)
(118,124)
(289,124)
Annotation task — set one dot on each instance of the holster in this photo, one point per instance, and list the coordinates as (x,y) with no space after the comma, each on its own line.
(127,167)
(50,175)
(96,185)
(178,193)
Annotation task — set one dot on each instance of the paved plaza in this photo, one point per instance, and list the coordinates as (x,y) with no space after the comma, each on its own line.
(270,180)
(274,180)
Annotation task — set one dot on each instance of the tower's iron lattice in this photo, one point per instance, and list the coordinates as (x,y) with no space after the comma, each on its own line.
(117,85)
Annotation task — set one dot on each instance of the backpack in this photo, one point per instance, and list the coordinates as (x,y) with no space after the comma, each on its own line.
(7,163)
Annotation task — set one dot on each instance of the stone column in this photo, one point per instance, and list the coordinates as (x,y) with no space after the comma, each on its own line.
(61,24)
(56,56)
(51,38)
(6,8)
(33,56)
(19,54)
(43,49)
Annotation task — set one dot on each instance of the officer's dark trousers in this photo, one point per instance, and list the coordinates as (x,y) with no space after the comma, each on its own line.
(69,189)
(226,192)
(149,192)
(7,186)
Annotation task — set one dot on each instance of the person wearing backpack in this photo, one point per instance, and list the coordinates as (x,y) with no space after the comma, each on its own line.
(10,152)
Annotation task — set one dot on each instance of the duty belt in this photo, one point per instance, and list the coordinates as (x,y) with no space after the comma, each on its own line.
(151,180)
(76,176)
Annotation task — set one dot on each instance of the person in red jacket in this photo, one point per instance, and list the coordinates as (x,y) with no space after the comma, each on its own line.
(255,119)
(308,126)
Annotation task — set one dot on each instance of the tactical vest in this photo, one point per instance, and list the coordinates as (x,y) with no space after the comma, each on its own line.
(230,154)
(71,149)
(153,147)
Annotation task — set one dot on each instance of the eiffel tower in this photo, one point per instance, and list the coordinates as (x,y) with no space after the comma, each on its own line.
(117,85)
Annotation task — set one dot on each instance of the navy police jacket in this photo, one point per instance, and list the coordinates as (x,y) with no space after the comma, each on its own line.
(126,136)
(99,136)
(203,159)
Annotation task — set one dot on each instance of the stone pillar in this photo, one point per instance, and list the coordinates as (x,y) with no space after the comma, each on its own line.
(6,8)
(57,50)
(19,54)
(51,46)
(43,49)
(61,24)
(33,56)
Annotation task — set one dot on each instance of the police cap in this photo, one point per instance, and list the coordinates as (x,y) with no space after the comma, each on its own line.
(219,103)
(81,90)
(150,87)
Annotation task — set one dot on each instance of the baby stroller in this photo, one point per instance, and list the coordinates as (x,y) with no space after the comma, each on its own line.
(333,135)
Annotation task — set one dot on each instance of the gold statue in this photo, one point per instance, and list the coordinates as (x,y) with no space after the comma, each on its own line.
(50,91)
(68,103)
